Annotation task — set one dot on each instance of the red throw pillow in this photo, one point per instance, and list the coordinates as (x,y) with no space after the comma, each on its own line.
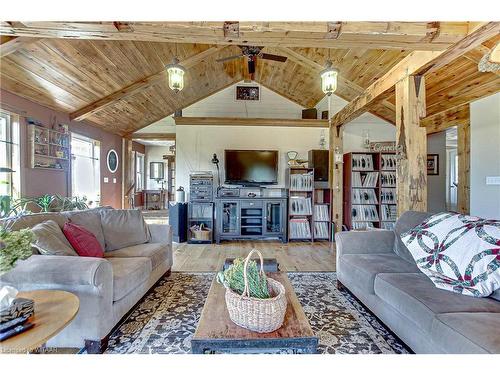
(83,241)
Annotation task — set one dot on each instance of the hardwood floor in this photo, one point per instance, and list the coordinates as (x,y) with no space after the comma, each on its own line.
(293,256)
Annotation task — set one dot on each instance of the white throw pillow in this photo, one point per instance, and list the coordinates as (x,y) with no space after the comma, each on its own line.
(458,252)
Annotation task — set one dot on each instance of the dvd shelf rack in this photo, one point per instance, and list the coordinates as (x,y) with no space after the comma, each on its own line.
(370,190)
(301,209)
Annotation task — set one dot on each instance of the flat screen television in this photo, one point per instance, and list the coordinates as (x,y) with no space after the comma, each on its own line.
(250,167)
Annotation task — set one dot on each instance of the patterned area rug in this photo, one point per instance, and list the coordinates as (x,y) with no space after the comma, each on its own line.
(166,319)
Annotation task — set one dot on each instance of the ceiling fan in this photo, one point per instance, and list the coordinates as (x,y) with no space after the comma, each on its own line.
(252,53)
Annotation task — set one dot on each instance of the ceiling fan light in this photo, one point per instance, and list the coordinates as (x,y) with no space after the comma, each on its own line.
(175,75)
(329,79)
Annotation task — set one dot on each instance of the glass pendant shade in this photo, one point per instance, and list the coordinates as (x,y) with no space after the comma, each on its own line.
(175,75)
(329,79)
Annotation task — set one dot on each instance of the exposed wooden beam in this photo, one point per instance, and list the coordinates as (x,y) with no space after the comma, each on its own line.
(463,152)
(239,121)
(153,136)
(416,63)
(10,44)
(444,120)
(411,143)
(495,54)
(336,175)
(138,86)
(374,35)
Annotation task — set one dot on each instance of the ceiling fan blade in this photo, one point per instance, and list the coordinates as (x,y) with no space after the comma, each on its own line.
(268,56)
(223,59)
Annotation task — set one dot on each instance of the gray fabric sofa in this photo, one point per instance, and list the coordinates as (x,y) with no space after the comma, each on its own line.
(107,287)
(379,270)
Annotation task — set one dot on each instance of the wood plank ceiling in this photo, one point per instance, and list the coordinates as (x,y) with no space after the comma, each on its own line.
(71,74)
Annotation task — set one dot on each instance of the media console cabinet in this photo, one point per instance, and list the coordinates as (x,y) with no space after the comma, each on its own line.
(238,218)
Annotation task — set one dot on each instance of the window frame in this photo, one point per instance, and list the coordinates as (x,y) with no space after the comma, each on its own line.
(12,156)
(139,175)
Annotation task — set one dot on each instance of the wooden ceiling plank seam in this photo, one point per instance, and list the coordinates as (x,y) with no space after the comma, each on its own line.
(30,78)
(30,63)
(19,88)
(14,44)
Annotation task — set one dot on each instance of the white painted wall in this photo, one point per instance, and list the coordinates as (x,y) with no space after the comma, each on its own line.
(196,145)
(485,156)
(436,185)
(378,129)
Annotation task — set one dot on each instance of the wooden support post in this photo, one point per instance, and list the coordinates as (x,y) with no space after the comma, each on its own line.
(411,145)
(128,175)
(463,151)
(336,176)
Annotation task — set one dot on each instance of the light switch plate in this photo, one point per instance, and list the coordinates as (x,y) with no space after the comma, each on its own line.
(114,180)
(106,180)
(492,180)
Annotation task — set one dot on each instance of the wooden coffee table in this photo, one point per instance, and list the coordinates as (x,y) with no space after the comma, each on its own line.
(216,333)
(54,310)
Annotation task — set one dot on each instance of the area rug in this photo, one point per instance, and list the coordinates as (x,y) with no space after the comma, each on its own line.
(166,319)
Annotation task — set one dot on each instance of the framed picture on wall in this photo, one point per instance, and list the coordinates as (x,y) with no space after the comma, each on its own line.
(432,164)
(247,93)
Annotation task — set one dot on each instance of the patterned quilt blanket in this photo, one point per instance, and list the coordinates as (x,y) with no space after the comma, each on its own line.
(458,252)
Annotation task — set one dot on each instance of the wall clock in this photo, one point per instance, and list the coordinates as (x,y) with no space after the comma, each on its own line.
(112,161)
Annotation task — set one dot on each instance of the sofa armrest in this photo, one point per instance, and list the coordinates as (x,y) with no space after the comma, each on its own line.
(364,242)
(60,271)
(160,233)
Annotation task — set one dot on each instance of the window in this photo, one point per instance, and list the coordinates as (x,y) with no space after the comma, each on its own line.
(85,169)
(10,164)
(139,171)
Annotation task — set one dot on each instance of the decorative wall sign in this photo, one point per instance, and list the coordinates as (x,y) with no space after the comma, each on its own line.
(433,164)
(383,146)
(247,93)
(112,161)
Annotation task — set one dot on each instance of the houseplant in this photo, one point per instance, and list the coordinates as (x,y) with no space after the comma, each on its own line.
(45,203)
(254,301)
(14,246)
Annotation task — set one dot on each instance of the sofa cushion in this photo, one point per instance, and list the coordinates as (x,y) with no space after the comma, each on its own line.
(467,332)
(83,241)
(29,221)
(156,252)
(123,228)
(50,240)
(90,220)
(457,252)
(407,221)
(128,274)
(361,269)
(416,297)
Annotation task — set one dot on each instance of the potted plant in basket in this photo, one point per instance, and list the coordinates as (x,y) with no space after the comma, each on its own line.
(254,301)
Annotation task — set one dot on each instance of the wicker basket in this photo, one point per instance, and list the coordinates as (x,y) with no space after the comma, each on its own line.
(255,314)
(203,234)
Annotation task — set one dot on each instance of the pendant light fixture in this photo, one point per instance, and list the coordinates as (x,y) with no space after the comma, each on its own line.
(175,74)
(329,77)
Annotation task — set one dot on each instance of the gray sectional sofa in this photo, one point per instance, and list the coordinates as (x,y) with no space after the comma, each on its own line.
(379,270)
(107,287)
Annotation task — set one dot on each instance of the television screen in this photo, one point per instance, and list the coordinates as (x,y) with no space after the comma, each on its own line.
(248,167)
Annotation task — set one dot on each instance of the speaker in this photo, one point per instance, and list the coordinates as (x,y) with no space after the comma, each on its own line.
(178,214)
(318,159)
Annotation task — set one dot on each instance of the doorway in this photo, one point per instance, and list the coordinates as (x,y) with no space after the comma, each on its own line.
(86,169)
(451,169)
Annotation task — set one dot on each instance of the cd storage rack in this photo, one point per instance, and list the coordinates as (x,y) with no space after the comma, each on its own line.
(301,209)
(370,190)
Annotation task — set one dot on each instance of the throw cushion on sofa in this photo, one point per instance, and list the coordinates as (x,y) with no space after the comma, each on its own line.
(50,240)
(90,220)
(458,252)
(123,228)
(83,241)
